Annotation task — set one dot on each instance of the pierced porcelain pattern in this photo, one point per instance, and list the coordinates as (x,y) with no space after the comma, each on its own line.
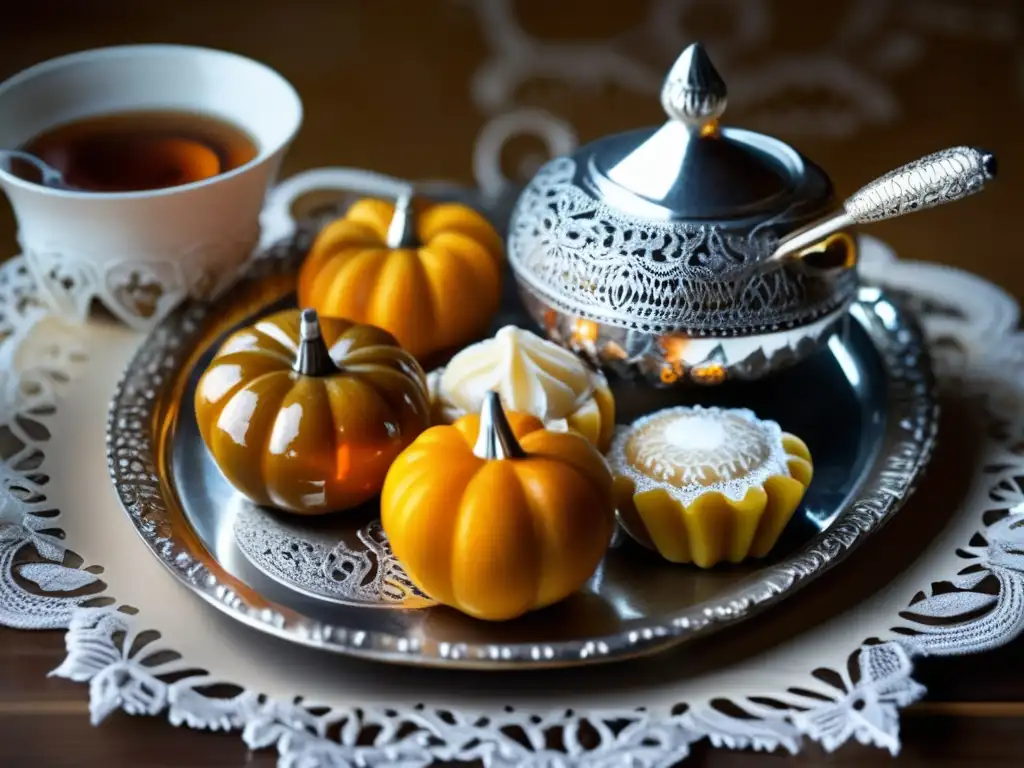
(140,293)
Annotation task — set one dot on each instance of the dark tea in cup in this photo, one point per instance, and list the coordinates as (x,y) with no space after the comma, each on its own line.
(139,150)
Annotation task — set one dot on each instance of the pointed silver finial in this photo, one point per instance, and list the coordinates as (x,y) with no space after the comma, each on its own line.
(496,439)
(694,93)
(402,230)
(313,359)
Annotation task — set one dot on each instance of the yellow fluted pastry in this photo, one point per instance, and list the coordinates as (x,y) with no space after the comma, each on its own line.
(707,485)
(531,375)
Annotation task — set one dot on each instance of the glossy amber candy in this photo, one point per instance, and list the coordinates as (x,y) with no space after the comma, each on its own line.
(308,417)
(707,485)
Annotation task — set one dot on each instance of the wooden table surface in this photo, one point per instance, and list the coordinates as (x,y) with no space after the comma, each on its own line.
(859,86)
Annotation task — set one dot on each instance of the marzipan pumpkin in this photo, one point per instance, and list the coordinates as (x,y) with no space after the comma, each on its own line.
(308,417)
(430,277)
(497,516)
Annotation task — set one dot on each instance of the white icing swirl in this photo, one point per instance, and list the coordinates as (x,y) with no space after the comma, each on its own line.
(532,375)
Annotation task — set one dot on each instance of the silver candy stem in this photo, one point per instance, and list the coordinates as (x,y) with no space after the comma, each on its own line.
(943,177)
(694,93)
(402,230)
(313,359)
(496,439)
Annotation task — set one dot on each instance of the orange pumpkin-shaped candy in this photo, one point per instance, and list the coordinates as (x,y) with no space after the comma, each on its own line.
(309,418)
(497,516)
(431,278)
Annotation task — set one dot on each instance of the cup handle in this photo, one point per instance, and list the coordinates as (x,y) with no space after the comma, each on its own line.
(276,221)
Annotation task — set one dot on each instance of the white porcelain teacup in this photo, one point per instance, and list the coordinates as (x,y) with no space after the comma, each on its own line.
(142,253)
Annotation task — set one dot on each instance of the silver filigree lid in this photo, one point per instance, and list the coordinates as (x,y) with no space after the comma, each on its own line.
(692,168)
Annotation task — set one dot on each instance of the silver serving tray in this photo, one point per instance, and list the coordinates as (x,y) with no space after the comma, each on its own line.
(864,404)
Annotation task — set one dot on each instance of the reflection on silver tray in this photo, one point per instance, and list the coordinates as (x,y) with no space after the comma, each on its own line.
(864,404)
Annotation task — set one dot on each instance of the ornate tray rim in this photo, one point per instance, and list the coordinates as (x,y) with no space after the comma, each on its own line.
(134,455)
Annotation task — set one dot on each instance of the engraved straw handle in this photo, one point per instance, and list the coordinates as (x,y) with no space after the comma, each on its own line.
(943,177)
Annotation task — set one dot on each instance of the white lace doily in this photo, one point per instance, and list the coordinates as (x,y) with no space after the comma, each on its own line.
(944,578)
